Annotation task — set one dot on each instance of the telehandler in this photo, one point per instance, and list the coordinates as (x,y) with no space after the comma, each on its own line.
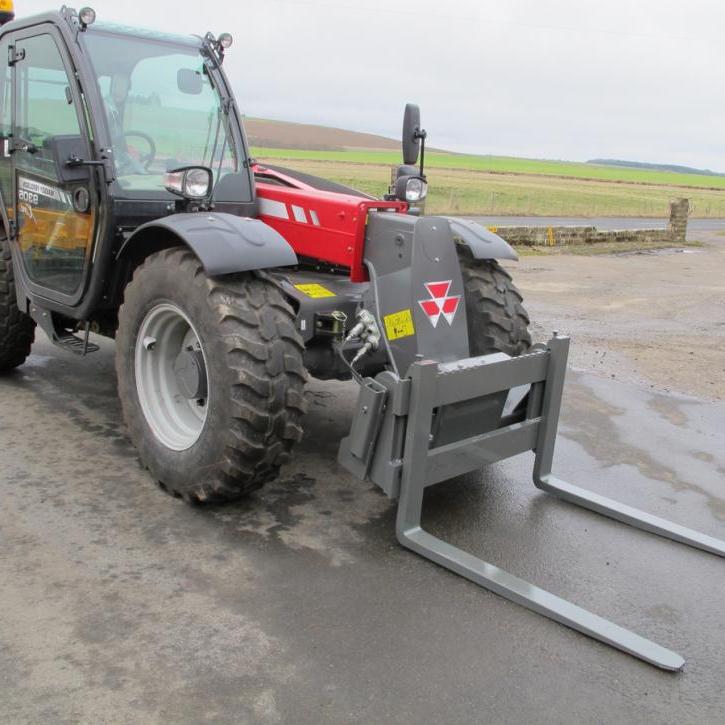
(130,208)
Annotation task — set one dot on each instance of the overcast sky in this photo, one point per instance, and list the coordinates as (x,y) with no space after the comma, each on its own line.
(552,79)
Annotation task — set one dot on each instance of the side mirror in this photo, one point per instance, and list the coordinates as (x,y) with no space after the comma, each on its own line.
(411,129)
(194,183)
(189,81)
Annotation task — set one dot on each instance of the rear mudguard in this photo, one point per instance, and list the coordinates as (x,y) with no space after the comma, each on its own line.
(224,243)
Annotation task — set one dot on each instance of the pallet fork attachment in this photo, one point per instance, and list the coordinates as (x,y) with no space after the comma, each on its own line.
(429,387)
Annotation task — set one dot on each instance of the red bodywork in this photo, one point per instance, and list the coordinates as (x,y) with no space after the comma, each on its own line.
(322,225)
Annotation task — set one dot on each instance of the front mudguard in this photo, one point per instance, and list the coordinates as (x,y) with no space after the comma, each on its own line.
(482,243)
(224,243)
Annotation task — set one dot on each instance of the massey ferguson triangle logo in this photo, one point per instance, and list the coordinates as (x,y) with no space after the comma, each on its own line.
(440,302)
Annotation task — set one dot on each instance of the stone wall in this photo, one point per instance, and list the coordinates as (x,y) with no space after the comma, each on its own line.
(559,236)
(679,209)
(543,236)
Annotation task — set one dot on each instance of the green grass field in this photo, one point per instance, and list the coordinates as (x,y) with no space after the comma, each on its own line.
(517,186)
(504,165)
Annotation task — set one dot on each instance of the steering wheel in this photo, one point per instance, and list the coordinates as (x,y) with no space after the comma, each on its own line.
(144,159)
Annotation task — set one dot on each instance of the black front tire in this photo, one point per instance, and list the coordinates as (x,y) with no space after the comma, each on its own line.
(256,376)
(17,330)
(497,320)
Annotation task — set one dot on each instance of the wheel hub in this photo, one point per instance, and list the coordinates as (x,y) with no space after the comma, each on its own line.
(171,376)
(190,373)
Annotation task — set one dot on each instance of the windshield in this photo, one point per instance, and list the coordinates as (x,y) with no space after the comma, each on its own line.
(162,108)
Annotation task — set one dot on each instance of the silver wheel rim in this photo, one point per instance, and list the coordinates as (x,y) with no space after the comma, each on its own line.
(175,420)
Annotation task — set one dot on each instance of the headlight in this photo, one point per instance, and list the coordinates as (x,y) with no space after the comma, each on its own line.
(415,190)
(193,182)
(411,188)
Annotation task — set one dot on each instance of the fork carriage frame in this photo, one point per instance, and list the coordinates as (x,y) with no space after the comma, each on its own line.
(412,403)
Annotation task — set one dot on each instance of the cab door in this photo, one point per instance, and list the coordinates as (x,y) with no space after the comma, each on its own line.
(53,209)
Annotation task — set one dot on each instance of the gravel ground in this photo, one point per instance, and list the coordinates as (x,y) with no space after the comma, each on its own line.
(657,319)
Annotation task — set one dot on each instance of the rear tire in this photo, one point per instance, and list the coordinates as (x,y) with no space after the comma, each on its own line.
(17,330)
(497,320)
(252,356)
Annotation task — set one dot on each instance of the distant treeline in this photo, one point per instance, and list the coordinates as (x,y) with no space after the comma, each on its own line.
(654,167)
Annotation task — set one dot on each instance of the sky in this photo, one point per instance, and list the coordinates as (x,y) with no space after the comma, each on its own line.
(554,79)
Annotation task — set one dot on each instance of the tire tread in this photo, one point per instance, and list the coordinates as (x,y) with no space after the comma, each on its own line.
(17,330)
(497,319)
(267,394)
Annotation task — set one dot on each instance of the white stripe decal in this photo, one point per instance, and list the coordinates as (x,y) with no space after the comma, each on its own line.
(299,214)
(313,216)
(272,207)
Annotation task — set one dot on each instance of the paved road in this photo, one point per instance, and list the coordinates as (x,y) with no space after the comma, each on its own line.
(694,225)
(120,604)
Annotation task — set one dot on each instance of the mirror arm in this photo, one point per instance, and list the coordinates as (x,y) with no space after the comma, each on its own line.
(421,134)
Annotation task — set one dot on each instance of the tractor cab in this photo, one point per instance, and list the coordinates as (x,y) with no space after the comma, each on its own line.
(103,128)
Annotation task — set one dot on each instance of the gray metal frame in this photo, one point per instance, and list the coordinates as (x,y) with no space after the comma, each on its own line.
(428,388)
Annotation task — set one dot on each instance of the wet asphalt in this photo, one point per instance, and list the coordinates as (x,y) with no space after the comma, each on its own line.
(121,604)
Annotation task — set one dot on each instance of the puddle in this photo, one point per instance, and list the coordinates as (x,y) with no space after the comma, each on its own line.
(591,422)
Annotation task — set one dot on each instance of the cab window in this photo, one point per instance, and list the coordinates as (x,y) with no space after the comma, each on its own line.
(44,107)
(54,238)
(162,109)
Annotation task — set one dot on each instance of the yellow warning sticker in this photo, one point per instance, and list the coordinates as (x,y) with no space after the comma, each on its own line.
(399,324)
(314,290)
